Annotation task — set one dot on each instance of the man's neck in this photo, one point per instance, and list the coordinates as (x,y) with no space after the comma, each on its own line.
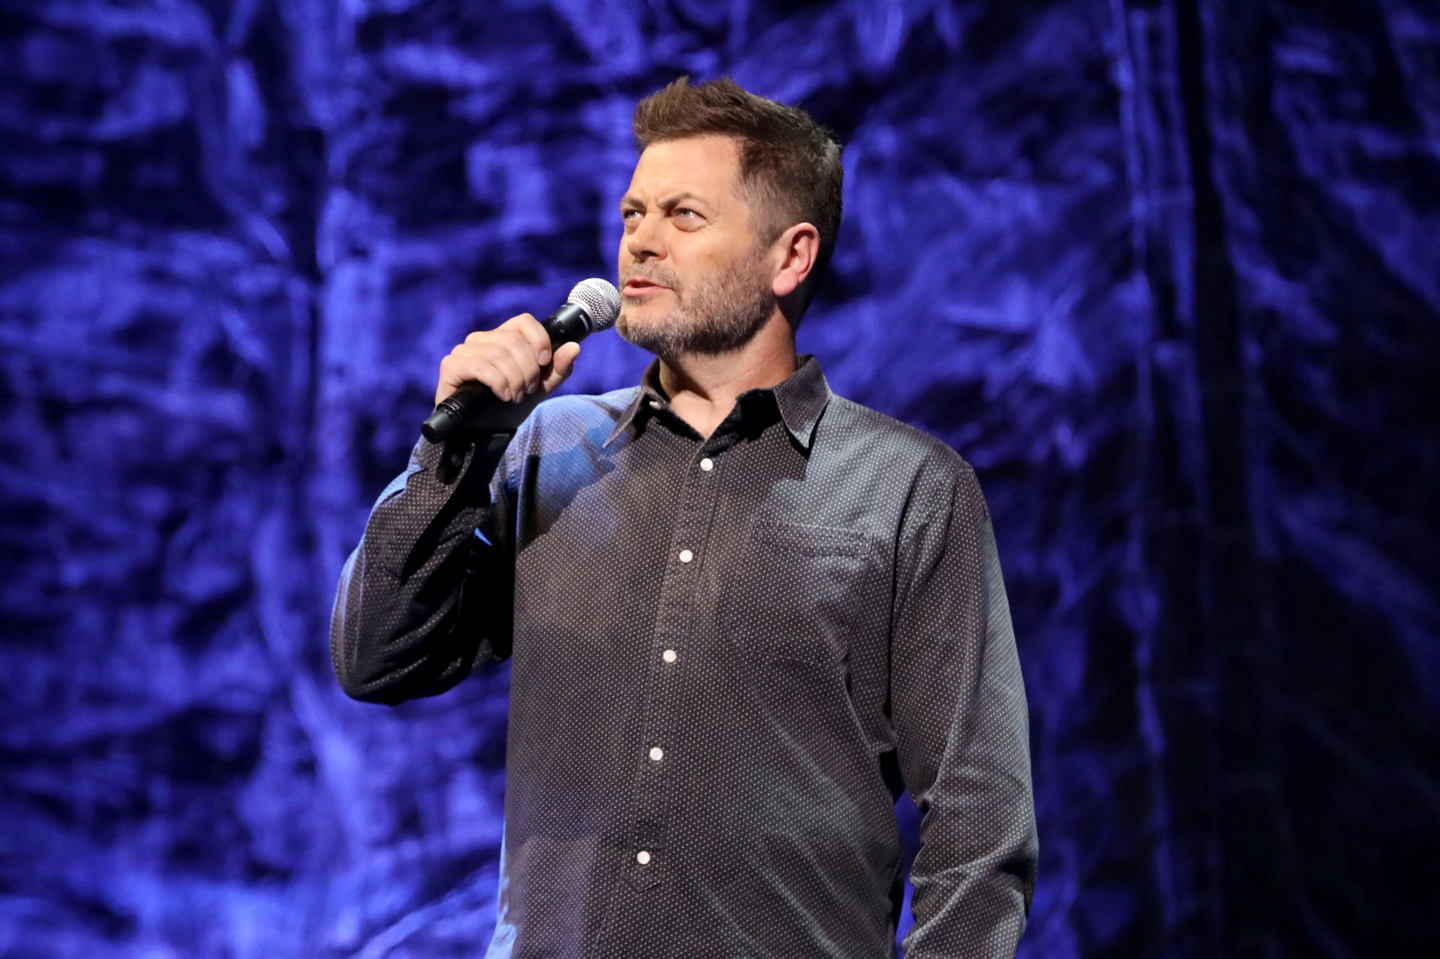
(703,388)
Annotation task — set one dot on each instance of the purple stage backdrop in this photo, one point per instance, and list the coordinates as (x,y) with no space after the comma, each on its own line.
(1167,272)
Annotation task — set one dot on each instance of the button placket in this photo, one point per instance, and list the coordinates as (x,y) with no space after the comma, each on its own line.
(689,537)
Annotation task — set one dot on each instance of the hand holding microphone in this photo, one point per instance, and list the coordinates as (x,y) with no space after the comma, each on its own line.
(492,380)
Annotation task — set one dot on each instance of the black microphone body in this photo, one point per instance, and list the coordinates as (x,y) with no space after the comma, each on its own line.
(475,409)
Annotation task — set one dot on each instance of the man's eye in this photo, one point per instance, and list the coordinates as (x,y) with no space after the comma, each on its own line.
(631,217)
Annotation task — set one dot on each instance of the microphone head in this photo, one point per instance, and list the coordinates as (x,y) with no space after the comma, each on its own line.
(599,299)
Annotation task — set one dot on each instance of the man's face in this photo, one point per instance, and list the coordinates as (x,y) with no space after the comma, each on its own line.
(692,277)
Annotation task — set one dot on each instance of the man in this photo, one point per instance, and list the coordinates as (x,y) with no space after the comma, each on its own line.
(743,613)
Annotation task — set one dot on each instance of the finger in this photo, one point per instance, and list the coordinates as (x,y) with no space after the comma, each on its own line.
(534,332)
(454,370)
(508,324)
(522,353)
(467,364)
(504,359)
(563,366)
(493,364)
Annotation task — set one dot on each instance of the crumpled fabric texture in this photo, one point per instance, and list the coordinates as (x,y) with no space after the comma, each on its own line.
(1162,271)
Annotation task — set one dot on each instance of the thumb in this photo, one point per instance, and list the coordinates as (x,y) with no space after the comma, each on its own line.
(562,365)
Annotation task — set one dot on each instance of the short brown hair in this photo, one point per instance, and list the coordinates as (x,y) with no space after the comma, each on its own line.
(789,165)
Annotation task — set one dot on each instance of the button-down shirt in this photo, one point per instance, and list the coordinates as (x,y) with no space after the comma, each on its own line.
(729,656)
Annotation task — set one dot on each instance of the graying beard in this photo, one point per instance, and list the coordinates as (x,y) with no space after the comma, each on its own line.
(718,322)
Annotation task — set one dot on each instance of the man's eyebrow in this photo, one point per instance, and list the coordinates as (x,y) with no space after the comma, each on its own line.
(632,201)
(681,197)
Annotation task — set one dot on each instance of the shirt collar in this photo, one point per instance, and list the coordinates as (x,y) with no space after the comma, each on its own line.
(801,398)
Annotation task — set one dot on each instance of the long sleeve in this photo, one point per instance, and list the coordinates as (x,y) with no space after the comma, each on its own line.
(427,595)
(962,727)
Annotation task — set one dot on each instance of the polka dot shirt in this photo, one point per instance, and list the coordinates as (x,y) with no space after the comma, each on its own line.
(729,656)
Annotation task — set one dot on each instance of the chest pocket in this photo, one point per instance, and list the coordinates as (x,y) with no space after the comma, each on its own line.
(800,593)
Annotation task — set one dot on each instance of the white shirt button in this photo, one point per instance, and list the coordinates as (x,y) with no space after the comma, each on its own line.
(656,754)
(668,655)
(656,404)
(686,556)
(707,464)
(642,857)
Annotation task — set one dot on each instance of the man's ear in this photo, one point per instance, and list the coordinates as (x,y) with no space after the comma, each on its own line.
(798,248)
(796,251)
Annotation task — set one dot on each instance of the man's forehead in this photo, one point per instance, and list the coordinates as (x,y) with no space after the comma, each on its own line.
(707,167)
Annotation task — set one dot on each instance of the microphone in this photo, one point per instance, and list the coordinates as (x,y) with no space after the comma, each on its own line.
(592,306)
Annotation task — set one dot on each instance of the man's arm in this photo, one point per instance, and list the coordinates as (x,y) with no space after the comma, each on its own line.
(430,589)
(963,731)
(428,593)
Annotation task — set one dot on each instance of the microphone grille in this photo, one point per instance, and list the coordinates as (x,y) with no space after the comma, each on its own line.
(601,302)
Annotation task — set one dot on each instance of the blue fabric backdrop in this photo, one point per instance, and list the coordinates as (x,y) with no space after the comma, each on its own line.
(1167,272)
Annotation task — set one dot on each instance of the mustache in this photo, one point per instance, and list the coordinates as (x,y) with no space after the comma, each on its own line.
(652,274)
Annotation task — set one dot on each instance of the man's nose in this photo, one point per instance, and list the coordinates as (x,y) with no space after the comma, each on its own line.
(644,242)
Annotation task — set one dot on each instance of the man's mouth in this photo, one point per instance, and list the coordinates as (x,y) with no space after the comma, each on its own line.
(642,287)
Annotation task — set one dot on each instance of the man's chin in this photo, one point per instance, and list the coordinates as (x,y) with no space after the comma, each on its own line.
(652,339)
(670,330)
(639,323)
